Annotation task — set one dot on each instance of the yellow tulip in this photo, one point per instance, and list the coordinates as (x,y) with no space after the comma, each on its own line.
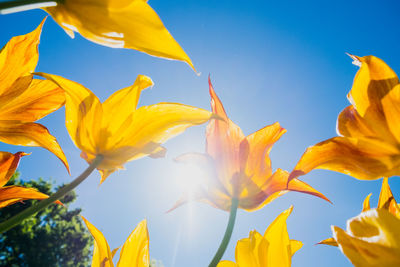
(369,129)
(119,24)
(134,252)
(23,100)
(274,249)
(13,194)
(116,129)
(239,167)
(386,201)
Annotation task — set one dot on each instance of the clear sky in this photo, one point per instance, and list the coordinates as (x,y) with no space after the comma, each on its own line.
(280,61)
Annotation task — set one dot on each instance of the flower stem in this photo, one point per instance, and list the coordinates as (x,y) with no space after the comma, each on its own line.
(9,7)
(228,233)
(17,219)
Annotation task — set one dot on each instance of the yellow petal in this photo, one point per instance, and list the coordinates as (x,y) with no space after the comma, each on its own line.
(371,83)
(19,58)
(295,245)
(38,99)
(363,159)
(366,205)
(102,256)
(123,102)
(279,249)
(244,253)
(391,108)
(135,251)
(83,113)
(371,239)
(386,199)
(18,193)
(31,134)
(329,241)
(227,264)
(8,165)
(132,25)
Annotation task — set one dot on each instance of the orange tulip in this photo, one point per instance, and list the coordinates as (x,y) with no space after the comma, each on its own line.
(369,129)
(12,194)
(239,166)
(23,100)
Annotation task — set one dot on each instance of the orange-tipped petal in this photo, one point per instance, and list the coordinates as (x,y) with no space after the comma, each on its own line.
(102,256)
(329,241)
(18,193)
(31,134)
(302,187)
(258,163)
(366,204)
(8,164)
(364,159)
(386,199)
(19,58)
(391,108)
(135,251)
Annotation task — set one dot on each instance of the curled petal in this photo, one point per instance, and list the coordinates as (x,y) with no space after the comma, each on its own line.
(19,58)
(102,256)
(8,165)
(132,25)
(365,159)
(386,199)
(391,108)
(371,239)
(329,241)
(366,205)
(135,251)
(31,134)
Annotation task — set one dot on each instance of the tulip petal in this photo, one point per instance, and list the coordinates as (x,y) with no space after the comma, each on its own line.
(123,102)
(8,165)
(386,199)
(279,249)
(223,139)
(363,159)
(160,122)
(244,253)
(18,193)
(83,113)
(39,99)
(102,255)
(329,241)
(31,134)
(366,205)
(371,239)
(227,264)
(135,251)
(258,165)
(371,83)
(391,108)
(135,25)
(295,245)
(19,58)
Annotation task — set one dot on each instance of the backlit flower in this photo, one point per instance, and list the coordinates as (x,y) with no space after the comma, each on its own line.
(134,252)
(116,129)
(119,24)
(274,249)
(12,194)
(239,167)
(369,143)
(23,100)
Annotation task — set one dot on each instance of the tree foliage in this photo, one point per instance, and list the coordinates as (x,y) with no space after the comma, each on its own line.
(54,236)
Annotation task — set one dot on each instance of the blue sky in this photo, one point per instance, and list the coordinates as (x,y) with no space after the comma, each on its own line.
(269,62)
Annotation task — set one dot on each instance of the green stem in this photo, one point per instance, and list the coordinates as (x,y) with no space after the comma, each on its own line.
(17,219)
(228,233)
(9,7)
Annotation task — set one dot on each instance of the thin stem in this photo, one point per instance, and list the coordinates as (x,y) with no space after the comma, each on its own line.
(17,219)
(228,233)
(9,7)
